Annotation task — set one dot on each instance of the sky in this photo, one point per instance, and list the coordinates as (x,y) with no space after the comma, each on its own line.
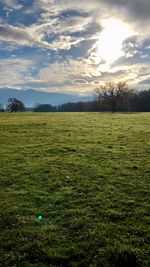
(74,46)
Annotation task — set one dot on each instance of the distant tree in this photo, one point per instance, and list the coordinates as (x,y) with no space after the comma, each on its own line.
(15,105)
(113,95)
(1,108)
(89,106)
(140,101)
(44,108)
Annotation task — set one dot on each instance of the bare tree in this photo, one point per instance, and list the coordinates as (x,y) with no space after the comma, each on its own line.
(113,94)
(15,105)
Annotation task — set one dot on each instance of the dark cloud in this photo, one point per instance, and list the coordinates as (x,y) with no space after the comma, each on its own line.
(10,33)
(25,37)
(135,8)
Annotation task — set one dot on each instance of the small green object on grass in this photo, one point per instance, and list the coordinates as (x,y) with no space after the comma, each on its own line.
(40,217)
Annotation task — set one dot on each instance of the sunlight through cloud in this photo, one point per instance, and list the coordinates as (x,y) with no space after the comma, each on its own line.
(109,45)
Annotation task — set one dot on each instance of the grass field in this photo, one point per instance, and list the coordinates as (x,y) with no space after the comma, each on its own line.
(88,175)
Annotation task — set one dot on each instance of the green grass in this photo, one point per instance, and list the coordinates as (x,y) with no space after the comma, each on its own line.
(88,175)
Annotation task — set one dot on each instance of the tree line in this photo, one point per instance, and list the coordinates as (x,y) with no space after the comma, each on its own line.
(110,97)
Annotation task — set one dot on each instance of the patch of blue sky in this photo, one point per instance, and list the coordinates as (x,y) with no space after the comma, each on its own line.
(146,81)
(6,55)
(3,11)
(142,55)
(41,56)
(30,52)
(38,85)
(19,16)
(50,37)
(26,3)
(16,18)
(146,44)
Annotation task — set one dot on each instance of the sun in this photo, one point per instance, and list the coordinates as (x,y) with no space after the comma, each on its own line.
(109,44)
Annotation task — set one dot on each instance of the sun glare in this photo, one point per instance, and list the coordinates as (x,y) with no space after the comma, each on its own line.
(109,45)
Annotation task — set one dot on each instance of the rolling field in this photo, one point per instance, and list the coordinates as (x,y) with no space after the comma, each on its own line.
(87,175)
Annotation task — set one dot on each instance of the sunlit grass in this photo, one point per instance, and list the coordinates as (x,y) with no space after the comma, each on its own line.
(75,189)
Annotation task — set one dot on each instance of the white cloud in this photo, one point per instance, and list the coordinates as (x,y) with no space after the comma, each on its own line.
(65,71)
(65,42)
(13,71)
(68,76)
(15,34)
(11,4)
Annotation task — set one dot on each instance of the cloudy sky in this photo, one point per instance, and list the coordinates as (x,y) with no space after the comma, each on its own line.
(74,46)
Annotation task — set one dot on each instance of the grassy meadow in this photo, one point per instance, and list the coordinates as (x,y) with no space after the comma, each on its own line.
(88,175)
